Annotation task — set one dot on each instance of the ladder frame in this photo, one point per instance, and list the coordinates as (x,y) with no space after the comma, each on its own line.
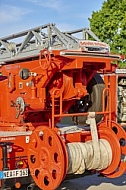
(36,39)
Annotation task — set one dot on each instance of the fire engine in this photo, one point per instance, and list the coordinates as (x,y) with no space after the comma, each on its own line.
(58,108)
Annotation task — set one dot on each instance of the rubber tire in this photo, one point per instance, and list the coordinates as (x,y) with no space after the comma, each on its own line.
(95,89)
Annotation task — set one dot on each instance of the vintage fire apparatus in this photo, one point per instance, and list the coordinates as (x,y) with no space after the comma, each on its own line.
(58,108)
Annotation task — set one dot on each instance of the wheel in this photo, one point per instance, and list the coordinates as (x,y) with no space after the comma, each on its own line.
(46,61)
(47,158)
(92,102)
(121,136)
(108,134)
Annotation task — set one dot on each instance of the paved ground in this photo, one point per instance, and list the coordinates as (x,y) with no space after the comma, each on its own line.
(92,182)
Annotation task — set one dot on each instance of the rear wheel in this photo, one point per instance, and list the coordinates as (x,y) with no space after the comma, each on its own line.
(90,103)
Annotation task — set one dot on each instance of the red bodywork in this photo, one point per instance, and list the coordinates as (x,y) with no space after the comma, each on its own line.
(38,92)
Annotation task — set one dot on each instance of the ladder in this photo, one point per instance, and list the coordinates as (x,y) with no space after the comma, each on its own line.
(30,42)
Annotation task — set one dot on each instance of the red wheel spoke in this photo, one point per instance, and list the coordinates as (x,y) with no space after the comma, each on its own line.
(116,136)
(56,167)
(47,157)
(121,135)
(44,179)
(33,151)
(120,171)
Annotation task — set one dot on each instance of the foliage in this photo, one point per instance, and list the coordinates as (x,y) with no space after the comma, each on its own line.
(109,24)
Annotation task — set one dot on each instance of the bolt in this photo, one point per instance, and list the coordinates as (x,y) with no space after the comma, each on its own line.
(58,132)
(41,133)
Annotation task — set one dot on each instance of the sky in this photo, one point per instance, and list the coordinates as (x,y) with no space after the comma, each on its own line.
(20,15)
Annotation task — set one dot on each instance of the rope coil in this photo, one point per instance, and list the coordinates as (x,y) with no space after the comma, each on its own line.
(95,154)
(81,156)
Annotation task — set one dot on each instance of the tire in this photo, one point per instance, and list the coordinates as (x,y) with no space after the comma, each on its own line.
(90,103)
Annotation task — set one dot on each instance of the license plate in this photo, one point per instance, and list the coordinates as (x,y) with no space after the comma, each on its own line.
(13,173)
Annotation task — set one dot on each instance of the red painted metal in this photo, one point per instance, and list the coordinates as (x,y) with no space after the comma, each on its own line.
(35,93)
(121,136)
(105,132)
(48,165)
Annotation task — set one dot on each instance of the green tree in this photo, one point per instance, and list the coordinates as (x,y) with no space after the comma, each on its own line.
(109,24)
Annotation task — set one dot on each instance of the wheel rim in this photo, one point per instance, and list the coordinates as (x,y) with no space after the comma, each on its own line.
(107,134)
(121,136)
(46,158)
(65,156)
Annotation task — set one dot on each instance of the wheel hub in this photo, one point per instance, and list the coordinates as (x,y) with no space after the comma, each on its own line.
(44,158)
(47,158)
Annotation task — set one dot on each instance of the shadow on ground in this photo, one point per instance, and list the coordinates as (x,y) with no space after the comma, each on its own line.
(93,182)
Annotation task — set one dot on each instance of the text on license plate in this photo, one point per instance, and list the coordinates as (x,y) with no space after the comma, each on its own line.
(13,173)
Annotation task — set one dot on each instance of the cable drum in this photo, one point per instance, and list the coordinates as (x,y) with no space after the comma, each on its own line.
(81,156)
(74,154)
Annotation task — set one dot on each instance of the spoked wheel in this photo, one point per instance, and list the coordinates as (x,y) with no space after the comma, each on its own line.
(46,61)
(121,137)
(107,134)
(47,158)
(92,102)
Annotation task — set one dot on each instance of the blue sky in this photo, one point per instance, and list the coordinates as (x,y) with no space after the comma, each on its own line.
(19,15)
